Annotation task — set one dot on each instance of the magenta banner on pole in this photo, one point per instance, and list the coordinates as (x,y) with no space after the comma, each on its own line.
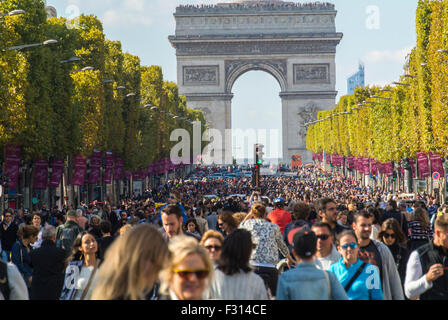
(373,167)
(423,165)
(95,165)
(389,169)
(350,161)
(79,170)
(366,166)
(379,167)
(107,179)
(412,164)
(56,172)
(128,175)
(12,164)
(118,169)
(40,174)
(436,164)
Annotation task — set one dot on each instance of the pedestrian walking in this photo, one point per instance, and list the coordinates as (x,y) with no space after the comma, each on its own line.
(306,281)
(360,280)
(48,267)
(233,276)
(131,265)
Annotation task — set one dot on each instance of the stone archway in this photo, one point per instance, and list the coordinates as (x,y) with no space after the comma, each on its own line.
(295,43)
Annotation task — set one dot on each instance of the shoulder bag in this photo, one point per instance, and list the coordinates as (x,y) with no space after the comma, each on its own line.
(355,276)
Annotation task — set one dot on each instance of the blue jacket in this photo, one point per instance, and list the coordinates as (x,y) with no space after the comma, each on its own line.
(306,282)
(184,215)
(367,285)
(22,259)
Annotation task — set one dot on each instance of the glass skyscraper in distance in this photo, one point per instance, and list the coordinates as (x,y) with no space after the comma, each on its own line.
(356,80)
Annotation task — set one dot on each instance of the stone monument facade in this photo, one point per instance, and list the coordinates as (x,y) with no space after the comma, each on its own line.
(294,42)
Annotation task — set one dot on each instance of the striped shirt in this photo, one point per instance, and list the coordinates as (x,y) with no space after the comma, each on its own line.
(417,232)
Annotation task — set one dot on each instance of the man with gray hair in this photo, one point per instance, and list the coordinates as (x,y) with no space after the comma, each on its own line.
(49,267)
(67,233)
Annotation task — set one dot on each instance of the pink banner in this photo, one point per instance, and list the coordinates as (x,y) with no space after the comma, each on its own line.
(79,170)
(366,166)
(423,165)
(40,174)
(436,164)
(388,169)
(380,167)
(412,164)
(350,162)
(12,164)
(56,172)
(107,179)
(128,175)
(118,169)
(373,167)
(95,165)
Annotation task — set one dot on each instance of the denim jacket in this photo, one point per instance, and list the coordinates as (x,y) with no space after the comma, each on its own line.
(306,282)
(21,258)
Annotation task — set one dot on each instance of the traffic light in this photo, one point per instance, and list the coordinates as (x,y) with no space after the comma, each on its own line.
(259,154)
(394,177)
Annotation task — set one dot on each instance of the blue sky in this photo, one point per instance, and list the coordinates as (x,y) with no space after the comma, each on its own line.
(378,32)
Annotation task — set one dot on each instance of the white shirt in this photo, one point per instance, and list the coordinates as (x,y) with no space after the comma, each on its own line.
(325,262)
(82,281)
(415,283)
(17,286)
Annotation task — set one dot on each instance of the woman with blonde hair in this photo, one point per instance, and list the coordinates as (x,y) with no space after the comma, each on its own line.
(189,272)
(212,241)
(131,265)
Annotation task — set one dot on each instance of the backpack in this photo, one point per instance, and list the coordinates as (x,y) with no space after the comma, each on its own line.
(4,284)
(65,236)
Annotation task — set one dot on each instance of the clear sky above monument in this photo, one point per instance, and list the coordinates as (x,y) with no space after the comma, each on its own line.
(378,32)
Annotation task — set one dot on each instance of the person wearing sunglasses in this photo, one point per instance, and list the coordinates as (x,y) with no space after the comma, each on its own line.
(8,234)
(392,236)
(361,280)
(189,272)
(234,278)
(326,253)
(306,281)
(212,241)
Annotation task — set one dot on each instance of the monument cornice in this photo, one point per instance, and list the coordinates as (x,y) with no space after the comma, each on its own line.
(208,96)
(272,47)
(308,95)
(257,37)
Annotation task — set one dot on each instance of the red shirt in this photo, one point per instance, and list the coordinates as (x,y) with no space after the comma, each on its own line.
(280,217)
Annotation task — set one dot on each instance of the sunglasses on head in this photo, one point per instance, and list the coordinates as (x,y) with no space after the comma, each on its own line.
(352,245)
(185,274)
(323,236)
(388,235)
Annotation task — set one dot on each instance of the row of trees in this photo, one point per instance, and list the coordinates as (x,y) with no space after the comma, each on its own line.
(396,122)
(50,109)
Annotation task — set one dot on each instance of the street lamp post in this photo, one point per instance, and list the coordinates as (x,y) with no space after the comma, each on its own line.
(12,13)
(72,59)
(45,43)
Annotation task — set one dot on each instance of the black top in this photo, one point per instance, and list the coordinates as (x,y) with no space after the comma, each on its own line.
(48,271)
(103,244)
(9,236)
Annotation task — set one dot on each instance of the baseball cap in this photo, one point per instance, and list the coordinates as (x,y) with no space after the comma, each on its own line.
(305,243)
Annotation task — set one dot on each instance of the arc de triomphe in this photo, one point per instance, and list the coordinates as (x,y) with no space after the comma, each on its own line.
(295,43)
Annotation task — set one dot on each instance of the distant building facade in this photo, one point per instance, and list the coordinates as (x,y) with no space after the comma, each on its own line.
(356,80)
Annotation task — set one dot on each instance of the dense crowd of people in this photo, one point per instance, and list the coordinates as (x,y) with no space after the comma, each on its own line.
(312,236)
